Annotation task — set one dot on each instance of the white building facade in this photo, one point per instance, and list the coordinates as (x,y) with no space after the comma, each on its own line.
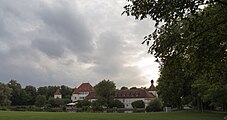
(58,94)
(127,97)
(81,92)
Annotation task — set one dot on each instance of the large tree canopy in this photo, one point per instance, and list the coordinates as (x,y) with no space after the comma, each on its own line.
(5,94)
(191,46)
(105,92)
(167,10)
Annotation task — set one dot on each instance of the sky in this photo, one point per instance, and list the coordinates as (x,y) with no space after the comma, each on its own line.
(68,42)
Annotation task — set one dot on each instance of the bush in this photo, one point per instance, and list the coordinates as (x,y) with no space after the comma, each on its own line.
(138,104)
(4,108)
(96,106)
(83,103)
(116,104)
(154,106)
(54,109)
(25,108)
(55,102)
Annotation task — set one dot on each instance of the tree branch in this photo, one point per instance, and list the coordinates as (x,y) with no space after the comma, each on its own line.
(213,26)
(220,1)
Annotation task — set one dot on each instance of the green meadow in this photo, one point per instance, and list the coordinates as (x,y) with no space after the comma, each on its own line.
(7,115)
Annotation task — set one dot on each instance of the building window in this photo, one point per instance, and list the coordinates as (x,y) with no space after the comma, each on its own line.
(82,98)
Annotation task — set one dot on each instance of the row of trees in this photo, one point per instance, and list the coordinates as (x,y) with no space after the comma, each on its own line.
(13,94)
(191,47)
(25,98)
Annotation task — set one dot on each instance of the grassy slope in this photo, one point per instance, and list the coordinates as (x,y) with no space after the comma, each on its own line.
(109,116)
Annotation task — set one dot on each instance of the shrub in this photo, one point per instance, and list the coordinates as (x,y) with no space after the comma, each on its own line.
(83,103)
(116,103)
(55,102)
(96,106)
(138,104)
(154,106)
(4,108)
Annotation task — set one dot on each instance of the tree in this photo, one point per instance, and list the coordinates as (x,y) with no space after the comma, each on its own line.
(40,100)
(116,104)
(167,11)
(96,106)
(124,88)
(31,94)
(55,102)
(42,91)
(105,92)
(138,104)
(48,91)
(66,91)
(5,94)
(51,90)
(174,84)
(16,93)
(132,88)
(194,34)
(154,106)
(82,103)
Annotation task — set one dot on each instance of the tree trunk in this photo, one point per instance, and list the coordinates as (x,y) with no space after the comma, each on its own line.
(202,106)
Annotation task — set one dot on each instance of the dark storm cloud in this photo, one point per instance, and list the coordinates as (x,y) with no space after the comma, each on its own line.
(31,30)
(50,47)
(64,28)
(108,56)
(54,42)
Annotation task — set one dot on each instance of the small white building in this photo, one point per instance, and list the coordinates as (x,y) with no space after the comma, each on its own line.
(81,92)
(58,94)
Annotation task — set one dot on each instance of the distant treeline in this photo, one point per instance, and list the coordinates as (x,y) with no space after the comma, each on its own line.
(12,94)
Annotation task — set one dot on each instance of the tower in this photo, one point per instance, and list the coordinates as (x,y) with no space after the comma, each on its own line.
(57,94)
(152,89)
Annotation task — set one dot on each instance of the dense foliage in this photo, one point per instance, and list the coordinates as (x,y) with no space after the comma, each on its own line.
(40,101)
(5,95)
(154,106)
(105,92)
(116,104)
(191,46)
(12,94)
(138,104)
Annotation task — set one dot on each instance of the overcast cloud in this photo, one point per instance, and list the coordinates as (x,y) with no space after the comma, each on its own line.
(67,42)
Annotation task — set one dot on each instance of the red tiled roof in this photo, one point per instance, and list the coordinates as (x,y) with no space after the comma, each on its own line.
(133,93)
(91,95)
(152,88)
(57,92)
(84,87)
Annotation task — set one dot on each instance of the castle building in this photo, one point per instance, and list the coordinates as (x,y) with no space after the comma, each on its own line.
(86,92)
(127,97)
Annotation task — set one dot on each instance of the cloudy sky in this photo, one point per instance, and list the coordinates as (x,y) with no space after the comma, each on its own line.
(67,42)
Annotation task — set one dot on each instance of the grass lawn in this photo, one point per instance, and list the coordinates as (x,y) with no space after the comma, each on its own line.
(4,115)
